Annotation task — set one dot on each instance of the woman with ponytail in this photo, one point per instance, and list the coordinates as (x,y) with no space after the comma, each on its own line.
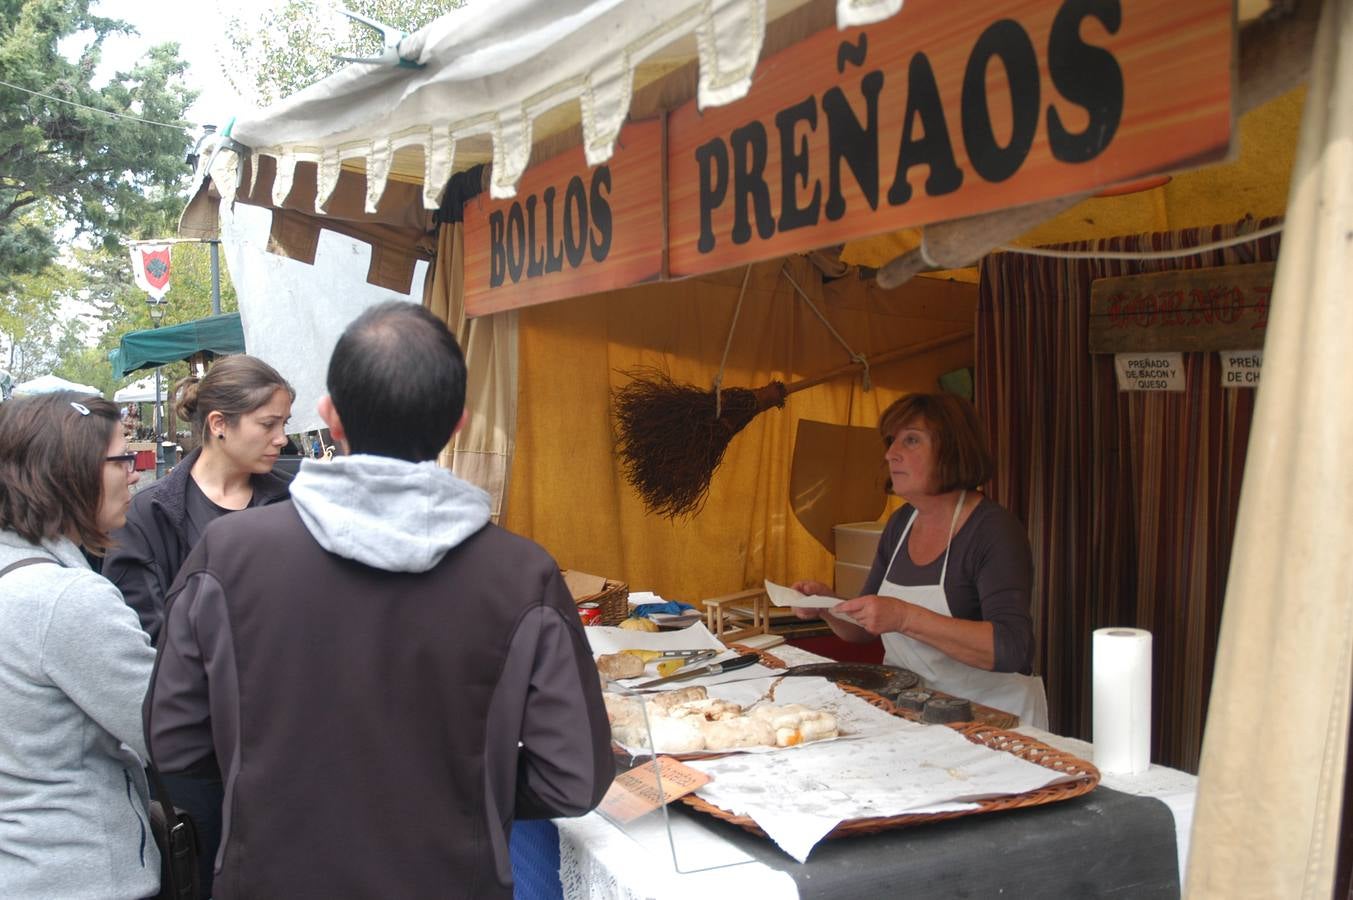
(240,409)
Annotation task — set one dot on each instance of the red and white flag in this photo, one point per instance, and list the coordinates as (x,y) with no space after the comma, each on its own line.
(150,268)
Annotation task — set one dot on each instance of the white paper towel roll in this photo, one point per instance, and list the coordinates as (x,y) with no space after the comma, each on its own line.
(1122,700)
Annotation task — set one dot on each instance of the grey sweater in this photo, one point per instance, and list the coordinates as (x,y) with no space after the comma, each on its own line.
(74,667)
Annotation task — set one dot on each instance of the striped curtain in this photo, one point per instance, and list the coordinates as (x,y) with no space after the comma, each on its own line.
(1129,498)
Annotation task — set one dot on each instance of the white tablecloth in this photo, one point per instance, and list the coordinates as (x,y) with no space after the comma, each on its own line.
(599,862)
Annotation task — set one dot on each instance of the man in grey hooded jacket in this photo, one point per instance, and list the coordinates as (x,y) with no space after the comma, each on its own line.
(386,680)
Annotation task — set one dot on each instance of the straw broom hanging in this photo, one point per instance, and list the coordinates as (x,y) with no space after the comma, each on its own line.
(671,437)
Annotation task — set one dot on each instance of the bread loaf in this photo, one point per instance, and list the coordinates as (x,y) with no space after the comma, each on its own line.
(619,665)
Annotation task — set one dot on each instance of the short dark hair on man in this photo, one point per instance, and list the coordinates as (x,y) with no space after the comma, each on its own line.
(962,458)
(52,454)
(397,379)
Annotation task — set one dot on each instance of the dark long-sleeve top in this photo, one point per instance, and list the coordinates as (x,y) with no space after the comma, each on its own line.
(161,529)
(990,577)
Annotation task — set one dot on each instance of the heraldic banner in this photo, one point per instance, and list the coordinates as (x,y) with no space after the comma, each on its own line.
(150,268)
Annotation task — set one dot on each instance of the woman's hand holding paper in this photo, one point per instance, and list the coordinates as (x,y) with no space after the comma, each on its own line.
(875,614)
(810,589)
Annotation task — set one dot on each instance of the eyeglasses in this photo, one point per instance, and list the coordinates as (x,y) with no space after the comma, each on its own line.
(128,461)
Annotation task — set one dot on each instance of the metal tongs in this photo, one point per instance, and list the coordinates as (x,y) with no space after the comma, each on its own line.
(688,655)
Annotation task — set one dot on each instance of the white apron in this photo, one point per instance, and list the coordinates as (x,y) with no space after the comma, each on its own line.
(1009,691)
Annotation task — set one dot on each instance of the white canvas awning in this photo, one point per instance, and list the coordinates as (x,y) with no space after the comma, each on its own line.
(48,384)
(142,391)
(492,78)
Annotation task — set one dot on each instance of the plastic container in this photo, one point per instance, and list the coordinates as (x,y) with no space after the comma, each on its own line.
(857,542)
(849,579)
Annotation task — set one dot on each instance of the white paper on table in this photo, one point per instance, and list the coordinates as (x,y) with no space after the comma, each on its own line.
(798,797)
(608,639)
(639,598)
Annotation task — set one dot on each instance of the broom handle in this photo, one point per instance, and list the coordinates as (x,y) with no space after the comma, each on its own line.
(889,356)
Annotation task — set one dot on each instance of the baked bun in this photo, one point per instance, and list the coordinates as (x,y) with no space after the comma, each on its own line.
(619,665)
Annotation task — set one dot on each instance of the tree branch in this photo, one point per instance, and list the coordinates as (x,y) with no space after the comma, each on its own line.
(17,205)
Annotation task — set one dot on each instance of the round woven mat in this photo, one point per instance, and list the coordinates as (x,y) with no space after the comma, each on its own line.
(1083,778)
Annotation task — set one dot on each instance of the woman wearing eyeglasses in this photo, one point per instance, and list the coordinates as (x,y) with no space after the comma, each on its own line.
(74,661)
(240,408)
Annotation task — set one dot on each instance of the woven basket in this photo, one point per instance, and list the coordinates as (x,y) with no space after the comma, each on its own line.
(614,600)
(1085,776)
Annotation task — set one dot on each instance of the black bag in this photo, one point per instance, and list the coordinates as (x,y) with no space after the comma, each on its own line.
(174,830)
(176,836)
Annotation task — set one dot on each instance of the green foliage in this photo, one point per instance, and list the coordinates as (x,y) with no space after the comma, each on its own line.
(88,365)
(76,184)
(100,176)
(292,46)
(30,318)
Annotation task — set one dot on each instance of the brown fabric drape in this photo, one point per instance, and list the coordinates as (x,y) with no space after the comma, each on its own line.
(1130,498)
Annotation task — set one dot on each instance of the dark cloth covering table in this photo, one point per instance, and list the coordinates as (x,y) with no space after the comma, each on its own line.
(1103,844)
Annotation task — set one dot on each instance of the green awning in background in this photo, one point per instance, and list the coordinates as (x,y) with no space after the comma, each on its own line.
(158,346)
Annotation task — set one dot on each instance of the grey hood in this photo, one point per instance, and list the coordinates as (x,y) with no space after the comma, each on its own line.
(387,513)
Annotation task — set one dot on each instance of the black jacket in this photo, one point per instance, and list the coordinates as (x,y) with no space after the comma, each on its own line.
(378,731)
(149,550)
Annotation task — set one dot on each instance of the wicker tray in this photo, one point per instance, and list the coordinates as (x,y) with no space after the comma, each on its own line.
(614,600)
(1085,775)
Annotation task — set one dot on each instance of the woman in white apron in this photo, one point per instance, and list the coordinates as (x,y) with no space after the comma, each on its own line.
(949,591)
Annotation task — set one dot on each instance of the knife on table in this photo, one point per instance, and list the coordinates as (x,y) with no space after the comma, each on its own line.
(731,665)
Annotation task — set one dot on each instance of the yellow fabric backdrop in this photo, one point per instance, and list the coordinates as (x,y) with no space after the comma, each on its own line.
(567,491)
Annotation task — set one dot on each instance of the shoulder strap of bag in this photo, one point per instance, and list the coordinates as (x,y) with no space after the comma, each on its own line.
(30,561)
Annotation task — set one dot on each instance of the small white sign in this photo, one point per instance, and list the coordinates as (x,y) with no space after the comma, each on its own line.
(1149,371)
(1241,368)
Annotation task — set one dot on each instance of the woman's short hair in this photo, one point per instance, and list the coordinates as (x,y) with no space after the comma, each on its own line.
(962,456)
(52,452)
(233,386)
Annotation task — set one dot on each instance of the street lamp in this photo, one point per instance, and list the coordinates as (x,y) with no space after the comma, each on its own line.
(156,308)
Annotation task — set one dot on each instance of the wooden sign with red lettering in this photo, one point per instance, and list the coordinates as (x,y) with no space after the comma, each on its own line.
(571,229)
(947,109)
(1190,310)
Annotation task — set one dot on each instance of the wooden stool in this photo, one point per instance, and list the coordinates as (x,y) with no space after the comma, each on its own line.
(732,617)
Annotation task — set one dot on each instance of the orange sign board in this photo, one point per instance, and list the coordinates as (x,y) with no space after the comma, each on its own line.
(636,793)
(571,229)
(944,110)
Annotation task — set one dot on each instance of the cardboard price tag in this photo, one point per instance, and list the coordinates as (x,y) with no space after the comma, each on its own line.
(635,793)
